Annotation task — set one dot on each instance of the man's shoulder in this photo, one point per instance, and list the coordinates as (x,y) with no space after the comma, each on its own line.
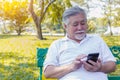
(94,36)
(60,40)
(57,43)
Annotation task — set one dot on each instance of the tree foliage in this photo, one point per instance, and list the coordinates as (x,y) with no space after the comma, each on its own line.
(111,13)
(52,9)
(38,17)
(17,13)
(53,17)
(1,10)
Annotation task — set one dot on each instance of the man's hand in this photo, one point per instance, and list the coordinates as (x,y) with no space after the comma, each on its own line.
(52,71)
(94,66)
(77,63)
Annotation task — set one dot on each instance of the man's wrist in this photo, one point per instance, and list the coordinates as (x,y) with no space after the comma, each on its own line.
(100,68)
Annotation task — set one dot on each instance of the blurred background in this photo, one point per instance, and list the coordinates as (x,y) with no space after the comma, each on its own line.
(28,24)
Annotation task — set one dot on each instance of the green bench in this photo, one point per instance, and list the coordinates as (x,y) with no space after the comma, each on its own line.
(41,53)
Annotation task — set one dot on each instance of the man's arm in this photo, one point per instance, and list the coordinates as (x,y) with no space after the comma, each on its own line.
(59,71)
(106,67)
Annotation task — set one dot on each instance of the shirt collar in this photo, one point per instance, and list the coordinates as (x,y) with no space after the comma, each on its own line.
(67,39)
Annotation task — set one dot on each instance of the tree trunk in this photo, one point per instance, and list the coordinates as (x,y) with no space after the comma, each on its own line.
(39,31)
(109,24)
(111,33)
(19,31)
(38,19)
(4,26)
(109,18)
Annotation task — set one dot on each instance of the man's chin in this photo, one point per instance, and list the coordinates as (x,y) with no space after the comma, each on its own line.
(80,37)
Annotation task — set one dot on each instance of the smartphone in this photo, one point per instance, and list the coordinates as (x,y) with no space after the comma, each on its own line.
(93,57)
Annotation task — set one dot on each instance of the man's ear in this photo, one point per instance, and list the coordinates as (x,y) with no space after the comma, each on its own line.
(64,26)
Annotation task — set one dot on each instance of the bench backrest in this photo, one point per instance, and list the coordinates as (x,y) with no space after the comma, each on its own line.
(41,53)
(116,52)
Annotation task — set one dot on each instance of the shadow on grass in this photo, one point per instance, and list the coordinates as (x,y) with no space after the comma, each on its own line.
(12,55)
(7,36)
(18,69)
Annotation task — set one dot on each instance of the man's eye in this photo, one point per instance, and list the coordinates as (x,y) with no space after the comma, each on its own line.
(75,24)
(83,23)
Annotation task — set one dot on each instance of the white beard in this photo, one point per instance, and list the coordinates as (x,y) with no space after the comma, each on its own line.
(80,36)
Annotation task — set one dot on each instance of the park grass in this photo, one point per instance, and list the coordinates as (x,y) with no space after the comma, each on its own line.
(112,40)
(18,55)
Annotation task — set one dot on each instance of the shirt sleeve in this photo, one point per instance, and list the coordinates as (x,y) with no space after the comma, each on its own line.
(106,53)
(51,57)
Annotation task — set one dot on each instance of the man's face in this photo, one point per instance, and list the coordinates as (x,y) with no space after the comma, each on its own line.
(77,27)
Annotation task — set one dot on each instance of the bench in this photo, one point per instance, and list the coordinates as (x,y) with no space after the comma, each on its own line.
(41,53)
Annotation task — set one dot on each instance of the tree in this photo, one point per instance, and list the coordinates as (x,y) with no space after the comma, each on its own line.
(53,17)
(116,13)
(111,12)
(47,6)
(4,30)
(38,19)
(16,12)
(1,12)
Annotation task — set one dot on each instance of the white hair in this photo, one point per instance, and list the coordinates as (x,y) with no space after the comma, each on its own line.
(71,12)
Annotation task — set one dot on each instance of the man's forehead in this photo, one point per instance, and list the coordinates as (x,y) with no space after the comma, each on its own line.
(79,20)
(78,16)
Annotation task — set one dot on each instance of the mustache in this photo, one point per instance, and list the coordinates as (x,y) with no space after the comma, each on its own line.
(82,31)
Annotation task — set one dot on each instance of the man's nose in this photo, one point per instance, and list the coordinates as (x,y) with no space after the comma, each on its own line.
(79,27)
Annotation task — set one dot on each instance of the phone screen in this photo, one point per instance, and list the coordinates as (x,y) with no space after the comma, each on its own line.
(93,57)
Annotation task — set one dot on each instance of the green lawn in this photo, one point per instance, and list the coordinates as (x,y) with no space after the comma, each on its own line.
(18,55)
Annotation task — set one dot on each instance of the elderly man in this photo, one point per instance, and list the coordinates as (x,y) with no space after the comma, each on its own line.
(65,59)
